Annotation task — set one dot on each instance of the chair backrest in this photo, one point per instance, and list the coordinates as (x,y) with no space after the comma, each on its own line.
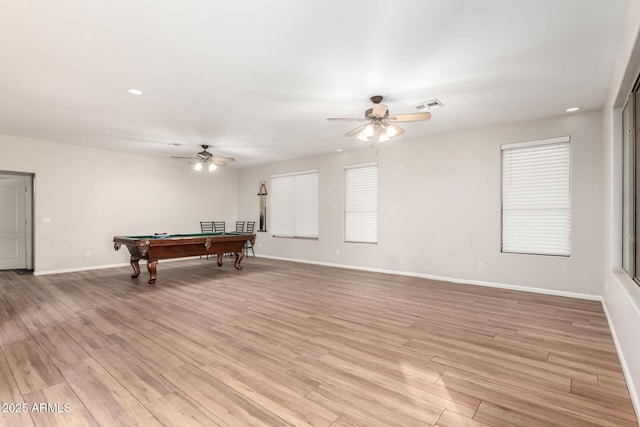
(206,226)
(219,226)
(240,226)
(251,225)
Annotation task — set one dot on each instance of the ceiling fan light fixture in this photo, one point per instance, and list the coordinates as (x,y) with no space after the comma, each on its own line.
(198,166)
(362,137)
(391,131)
(384,137)
(368,130)
(212,167)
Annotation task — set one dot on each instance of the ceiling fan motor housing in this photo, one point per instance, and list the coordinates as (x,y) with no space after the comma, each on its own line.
(377,112)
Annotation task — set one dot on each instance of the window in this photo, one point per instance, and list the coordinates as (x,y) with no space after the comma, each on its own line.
(361,203)
(536,202)
(630,187)
(294,205)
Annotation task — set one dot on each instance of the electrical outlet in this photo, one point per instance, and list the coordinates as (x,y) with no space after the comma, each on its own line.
(87,253)
(481,265)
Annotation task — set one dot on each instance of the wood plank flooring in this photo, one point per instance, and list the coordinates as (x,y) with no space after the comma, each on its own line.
(287,344)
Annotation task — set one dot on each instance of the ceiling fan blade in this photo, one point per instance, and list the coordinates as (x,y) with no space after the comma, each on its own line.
(399,130)
(181,157)
(356,130)
(412,117)
(345,119)
(224,159)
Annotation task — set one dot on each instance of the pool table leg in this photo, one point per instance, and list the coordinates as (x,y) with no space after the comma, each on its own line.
(151,266)
(220,260)
(239,256)
(136,267)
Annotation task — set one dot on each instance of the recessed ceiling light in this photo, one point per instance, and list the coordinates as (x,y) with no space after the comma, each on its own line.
(339,150)
(135,92)
(572,109)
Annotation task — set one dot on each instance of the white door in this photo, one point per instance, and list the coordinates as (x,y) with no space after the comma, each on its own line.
(13,221)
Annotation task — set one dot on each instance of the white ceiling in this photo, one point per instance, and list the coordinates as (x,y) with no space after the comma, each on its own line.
(257,79)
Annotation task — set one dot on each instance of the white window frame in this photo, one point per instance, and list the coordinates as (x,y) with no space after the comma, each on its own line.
(536,213)
(361,211)
(294,212)
(630,179)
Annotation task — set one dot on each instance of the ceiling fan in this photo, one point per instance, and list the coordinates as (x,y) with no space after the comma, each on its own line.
(381,126)
(206,159)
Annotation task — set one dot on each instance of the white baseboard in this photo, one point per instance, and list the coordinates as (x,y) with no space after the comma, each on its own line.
(100,267)
(375,270)
(635,399)
(445,279)
(75,269)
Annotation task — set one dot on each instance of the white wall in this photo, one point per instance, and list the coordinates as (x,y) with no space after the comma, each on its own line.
(92,195)
(620,294)
(439,208)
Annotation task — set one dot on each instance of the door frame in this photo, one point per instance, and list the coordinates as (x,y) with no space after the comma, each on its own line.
(29,213)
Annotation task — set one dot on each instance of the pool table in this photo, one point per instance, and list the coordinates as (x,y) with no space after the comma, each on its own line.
(162,246)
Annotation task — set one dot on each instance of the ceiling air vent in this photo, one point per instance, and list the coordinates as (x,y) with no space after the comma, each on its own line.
(429,105)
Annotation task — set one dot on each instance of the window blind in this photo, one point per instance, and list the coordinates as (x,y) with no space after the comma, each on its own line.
(536,199)
(361,203)
(294,205)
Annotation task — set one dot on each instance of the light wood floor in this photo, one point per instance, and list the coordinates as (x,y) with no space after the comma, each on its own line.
(291,344)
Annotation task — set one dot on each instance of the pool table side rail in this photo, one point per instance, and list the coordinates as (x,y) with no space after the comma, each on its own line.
(183,246)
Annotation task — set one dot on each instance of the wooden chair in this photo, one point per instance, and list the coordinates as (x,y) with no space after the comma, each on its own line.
(240,229)
(251,226)
(206,226)
(219,226)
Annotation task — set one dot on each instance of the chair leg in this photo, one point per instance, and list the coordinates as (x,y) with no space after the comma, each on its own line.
(246,249)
